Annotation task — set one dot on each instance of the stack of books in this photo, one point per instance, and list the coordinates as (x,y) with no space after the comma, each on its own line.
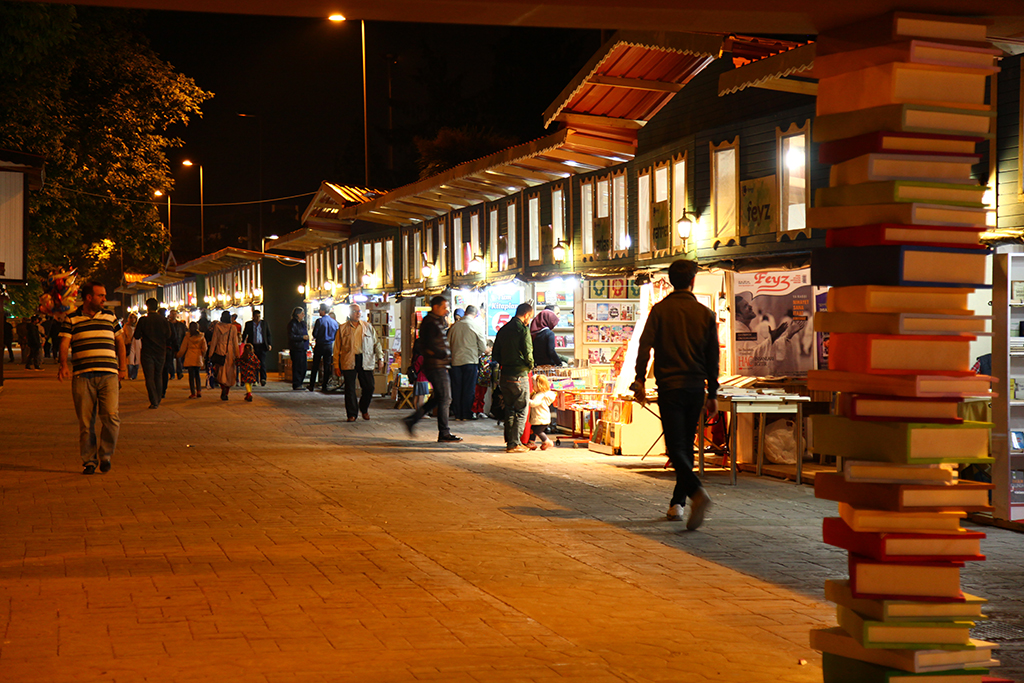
(901,108)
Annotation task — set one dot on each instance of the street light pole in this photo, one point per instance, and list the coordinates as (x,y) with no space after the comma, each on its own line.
(366,121)
(259,146)
(202,212)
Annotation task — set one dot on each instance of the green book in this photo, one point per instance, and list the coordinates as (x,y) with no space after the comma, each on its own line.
(839,669)
(904,443)
(906,635)
(889,191)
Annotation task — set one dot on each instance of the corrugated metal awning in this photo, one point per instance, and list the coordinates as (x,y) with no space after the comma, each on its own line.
(770,73)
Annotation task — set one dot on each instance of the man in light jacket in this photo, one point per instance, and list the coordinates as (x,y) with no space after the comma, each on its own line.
(467,344)
(357,353)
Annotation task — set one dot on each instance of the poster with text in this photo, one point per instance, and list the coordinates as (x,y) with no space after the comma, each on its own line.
(501,307)
(772,323)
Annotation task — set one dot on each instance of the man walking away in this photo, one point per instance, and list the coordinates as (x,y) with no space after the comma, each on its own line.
(684,336)
(432,344)
(179,331)
(99,363)
(356,353)
(468,344)
(9,338)
(324,330)
(154,331)
(513,351)
(35,343)
(298,344)
(257,333)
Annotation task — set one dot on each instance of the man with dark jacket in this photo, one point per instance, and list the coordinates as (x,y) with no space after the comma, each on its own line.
(257,333)
(432,344)
(324,330)
(513,351)
(154,331)
(172,364)
(684,336)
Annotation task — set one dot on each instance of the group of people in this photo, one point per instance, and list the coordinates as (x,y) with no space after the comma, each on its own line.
(37,338)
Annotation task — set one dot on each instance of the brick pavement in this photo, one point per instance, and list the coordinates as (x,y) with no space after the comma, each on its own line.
(272,541)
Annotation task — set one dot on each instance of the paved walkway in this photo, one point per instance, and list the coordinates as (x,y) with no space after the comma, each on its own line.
(272,541)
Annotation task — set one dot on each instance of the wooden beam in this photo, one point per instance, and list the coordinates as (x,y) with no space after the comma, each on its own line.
(585,160)
(601,145)
(423,200)
(787,85)
(545,165)
(529,174)
(412,207)
(400,212)
(591,121)
(453,201)
(480,188)
(376,217)
(635,83)
(501,179)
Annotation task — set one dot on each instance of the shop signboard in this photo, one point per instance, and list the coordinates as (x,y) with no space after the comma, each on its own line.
(772,315)
(757,206)
(602,238)
(660,232)
(502,302)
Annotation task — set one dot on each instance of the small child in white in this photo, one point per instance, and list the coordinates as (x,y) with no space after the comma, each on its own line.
(540,412)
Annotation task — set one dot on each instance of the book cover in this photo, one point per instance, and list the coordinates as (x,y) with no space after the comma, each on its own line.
(889,191)
(889,473)
(902,442)
(836,641)
(896,149)
(902,265)
(906,118)
(956,237)
(914,581)
(617,289)
(906,213)
(875,407)
(906,635)
(896,26)
(919,324)
(882,299)
(967,608)
(902,83)
(878,167)
(904,354)
(971,496)
(911,386)
(915,51)
(838,669)
(915,522)
(893,546)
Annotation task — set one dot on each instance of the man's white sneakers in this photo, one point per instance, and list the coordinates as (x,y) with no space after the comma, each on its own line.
(700,501)
(675,513)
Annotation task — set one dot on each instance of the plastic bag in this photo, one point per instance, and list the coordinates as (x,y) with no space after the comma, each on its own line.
(780,442)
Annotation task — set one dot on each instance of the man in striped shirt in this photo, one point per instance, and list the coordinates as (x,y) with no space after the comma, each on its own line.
(97,365)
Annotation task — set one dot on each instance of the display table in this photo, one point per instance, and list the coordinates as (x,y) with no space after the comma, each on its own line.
(761,405)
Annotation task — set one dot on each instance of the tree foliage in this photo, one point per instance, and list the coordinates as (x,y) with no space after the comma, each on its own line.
(83,88)
(453,146)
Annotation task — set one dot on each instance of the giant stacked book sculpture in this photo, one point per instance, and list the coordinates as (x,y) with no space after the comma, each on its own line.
(901,108)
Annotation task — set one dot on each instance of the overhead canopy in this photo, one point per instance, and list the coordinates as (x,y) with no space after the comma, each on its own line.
(632,77)
(132,283)
(330,199)
(167,277)
(225,259)
(308,239)
(771,73)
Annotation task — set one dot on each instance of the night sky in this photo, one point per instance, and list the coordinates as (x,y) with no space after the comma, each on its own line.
(302,79)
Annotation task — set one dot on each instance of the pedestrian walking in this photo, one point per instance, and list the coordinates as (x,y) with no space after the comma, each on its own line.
(257,333)
(513,350)
(468,344)
(54,332)
(133,346)
(47,327)
(178,332)
(192,354)
(298,345)
(34,340)
(432,344)
(98,362)
(9,339)
(248,369)
(357,353)
(325,329)
(543,338)
(153,331)
(541,399)
(223,352)
(683,334)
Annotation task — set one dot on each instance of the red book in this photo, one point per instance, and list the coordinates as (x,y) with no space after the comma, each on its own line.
(887,546)
(838,151)
(890,354)
(968,496)
(917,580)
(920,235)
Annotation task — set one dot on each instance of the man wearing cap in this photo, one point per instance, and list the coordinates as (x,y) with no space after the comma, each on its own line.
(324,330)
(684,336)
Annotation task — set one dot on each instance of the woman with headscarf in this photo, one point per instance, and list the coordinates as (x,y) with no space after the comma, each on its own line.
(544,338)
(298,345)
(223,352)
(134,348)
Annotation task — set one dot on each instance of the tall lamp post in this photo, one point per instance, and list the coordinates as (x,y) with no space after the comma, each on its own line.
(259,146)
(366,121)
(202,212)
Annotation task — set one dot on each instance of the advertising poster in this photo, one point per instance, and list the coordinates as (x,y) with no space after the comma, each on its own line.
(757,206)
(772,315)
(501,307)
(821,299)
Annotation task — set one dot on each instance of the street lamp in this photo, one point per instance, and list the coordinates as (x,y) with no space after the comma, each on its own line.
(559,251)
(160,193)
(202,212)
(259,146)
(263,242)
(338,18)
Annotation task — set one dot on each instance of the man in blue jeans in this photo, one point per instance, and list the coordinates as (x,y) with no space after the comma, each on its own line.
(324,331)
(99,363)
(684,336)
(513,351)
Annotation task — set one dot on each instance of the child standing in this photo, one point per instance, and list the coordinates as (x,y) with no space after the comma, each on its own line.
(192,352)
(540,411)
(248,370)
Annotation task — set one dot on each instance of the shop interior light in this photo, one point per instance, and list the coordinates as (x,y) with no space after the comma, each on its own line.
(302,289)
(367,278)
(428,269)
(328,285)
(685,225)
(795,158)
(559,251)
(258,291)
(476,264)
(238,294)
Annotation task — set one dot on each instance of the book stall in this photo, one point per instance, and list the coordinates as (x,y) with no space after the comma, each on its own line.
(902,257)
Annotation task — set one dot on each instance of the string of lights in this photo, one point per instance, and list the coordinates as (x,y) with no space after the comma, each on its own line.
(163,203)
